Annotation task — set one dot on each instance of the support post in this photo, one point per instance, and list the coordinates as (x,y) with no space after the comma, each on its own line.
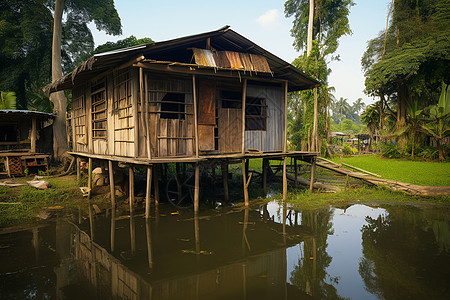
(313,171)
(295,170)
(89,177)
(33,136)
(244,178)
(194,99)
(197,188)
(156,184)
(284,179)
(264,173)
(244,96)
(131,188)
(78,169)
(111,185)
(148,192)
(225,181)
(147,118)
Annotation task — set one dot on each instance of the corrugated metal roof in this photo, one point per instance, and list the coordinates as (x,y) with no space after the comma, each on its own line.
(27,113)
(175,50)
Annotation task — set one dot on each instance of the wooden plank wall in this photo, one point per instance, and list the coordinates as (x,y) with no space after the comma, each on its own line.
(122,112)
(230,130)
(272,139)
(79,120)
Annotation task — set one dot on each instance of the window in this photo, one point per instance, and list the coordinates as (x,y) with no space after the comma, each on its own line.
(99,112)
(173,106)
(231,99)
(255,113)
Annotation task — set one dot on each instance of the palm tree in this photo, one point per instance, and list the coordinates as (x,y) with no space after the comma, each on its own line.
(8,100)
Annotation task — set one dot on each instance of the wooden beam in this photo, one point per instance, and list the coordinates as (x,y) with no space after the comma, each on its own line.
(148,192)
(285,117)
(244,94)
(147,118)
(33,136)
(244,179)
(89,177)
(197,188)
(156,184)
(131,187)
(264,171)
(284,180)
(78,169)
(224,168)
(135,119)
(194,99)
(313,170)
(111,185)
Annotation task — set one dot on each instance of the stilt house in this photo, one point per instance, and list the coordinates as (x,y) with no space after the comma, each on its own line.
(207,95)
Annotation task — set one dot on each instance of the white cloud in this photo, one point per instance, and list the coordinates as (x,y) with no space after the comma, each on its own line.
(269,18)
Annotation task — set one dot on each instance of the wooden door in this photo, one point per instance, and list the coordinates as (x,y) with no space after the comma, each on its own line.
(206,114)
(230,130)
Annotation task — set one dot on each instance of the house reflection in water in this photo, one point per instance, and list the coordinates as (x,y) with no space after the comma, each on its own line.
(234,255)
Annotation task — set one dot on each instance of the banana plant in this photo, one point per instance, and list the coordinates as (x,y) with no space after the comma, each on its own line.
(7,100)
(437,123)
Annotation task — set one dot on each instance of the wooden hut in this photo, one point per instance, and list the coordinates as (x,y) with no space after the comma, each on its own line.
(210,96)
(25,140)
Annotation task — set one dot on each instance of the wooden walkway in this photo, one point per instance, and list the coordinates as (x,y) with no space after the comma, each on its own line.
(377,180)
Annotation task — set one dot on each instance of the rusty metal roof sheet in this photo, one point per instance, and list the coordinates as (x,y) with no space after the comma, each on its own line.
(176,50)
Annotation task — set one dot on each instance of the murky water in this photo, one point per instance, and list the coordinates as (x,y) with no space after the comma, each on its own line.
(359,252)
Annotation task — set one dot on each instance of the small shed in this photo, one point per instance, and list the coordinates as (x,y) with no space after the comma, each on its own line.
(25,140)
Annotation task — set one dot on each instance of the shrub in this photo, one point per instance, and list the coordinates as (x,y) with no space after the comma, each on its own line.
(347,149)
(429,153)
(391,150)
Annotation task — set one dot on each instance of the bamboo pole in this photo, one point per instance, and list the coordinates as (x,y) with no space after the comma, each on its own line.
(285,117)
(313,171)
(244,178)
(197,188)
(78,169)
(33,135)
(131,187)
(147,117)
(225,181)
(111,185)
(194,99)
(156,184)
(89,177)
(148,192)
(244,94)
(264,170)
(284,179)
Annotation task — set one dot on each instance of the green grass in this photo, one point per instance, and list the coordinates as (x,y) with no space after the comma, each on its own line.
(303,199)
(414,172)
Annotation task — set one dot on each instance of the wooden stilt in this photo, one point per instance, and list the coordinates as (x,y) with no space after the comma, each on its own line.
(78,170)
(148,192)
(131,188)
(113,229)
(33,136)
(177,167)
(244,178)
(111,185)
(149,244)
(89,177)
(197,188)
(295,170)
(225,181)
(264,173)
(284,179)
(156,184)
(313,170)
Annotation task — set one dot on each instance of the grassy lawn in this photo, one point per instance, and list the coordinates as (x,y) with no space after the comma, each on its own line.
(414,172)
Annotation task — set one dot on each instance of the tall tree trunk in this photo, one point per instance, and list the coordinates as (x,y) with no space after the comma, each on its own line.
(310,27)
(58,98)
(316,117)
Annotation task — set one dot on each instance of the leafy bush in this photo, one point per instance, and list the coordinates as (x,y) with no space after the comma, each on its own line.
(429,153)
(391,150)
(347,149)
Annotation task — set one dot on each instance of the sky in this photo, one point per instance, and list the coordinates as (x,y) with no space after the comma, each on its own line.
(261,21)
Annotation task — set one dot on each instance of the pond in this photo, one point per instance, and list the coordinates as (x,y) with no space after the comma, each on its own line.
(356,252)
